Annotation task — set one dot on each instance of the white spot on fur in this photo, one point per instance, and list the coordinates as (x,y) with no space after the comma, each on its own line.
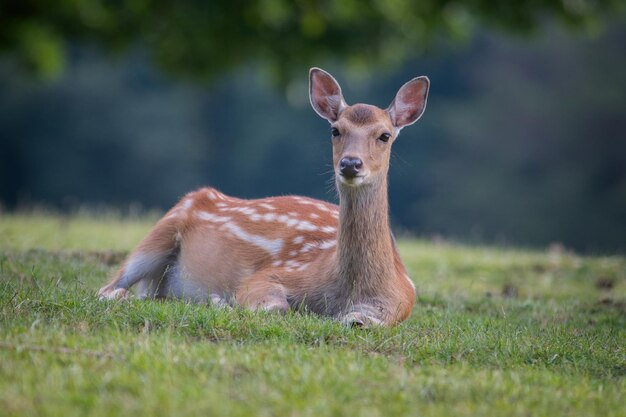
(269,217)
(210,217)
(255,217)
(277,263)
(211,195)
(221,205)
(293,253)
(267,206)
(298,239)
(302,267)
(410,281)
(307,248)
(248,211)
(327,244)
(328,229)
(293,214)
(306,226)
(314,216)
(187,204)
(273,246)
(293,264)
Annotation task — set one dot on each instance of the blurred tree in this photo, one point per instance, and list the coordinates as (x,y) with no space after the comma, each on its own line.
(200,38)
(522,140)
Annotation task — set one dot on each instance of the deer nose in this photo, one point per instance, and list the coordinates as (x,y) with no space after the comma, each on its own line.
(349,166)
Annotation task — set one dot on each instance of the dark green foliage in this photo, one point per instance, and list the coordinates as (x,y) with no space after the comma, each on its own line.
(205,38)
(522,141)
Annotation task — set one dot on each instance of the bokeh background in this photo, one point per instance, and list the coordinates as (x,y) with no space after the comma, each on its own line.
(125,104)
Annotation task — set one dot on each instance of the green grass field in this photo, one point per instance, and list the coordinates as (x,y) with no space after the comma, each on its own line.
(495,332)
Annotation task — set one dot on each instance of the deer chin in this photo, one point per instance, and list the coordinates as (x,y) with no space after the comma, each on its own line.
(352,182)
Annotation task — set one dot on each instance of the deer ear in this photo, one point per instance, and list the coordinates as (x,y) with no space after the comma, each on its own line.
(410,102)
(325,95)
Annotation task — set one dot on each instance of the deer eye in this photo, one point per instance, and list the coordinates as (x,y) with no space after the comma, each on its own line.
(334,131)
(384,137)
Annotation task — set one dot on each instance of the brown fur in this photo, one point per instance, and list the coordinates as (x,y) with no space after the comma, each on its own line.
(361,114)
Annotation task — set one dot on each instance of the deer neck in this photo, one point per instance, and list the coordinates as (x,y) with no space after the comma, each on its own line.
(364,247)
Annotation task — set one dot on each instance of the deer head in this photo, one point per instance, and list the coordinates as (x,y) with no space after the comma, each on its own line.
(362,134)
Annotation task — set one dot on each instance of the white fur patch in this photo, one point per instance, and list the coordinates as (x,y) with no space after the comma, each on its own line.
(269,217)
(267,206)
(187,204)
(273,246)
(328,229)
(314,215)
(293,264)
(327,244)
(307,248)
(210,217)
(298,239)
(306,226)
(247,211)
(322,207)
(410,281)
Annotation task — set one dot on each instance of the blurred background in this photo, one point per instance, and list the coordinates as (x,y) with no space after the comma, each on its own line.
(126,104)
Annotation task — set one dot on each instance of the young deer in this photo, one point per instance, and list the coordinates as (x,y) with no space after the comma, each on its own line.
(282,252)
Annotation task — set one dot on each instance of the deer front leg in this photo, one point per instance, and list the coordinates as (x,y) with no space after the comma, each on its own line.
(262,291)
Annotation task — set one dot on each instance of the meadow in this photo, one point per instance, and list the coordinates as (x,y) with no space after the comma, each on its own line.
(496,331)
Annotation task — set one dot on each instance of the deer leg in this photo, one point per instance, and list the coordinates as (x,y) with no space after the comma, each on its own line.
(148,261)
(138,266)
(364,316)
(262,291)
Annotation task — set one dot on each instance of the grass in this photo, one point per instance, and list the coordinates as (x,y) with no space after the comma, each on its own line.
(495,332)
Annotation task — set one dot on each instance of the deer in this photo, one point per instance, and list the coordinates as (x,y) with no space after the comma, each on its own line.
(293,252)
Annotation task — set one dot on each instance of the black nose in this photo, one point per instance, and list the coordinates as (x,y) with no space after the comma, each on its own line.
(350,166)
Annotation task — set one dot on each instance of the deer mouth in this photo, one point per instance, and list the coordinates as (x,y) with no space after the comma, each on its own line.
(354,181)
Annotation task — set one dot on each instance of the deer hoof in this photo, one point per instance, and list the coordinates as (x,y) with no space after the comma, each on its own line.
(357,320)
(276,306)
(113,294)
